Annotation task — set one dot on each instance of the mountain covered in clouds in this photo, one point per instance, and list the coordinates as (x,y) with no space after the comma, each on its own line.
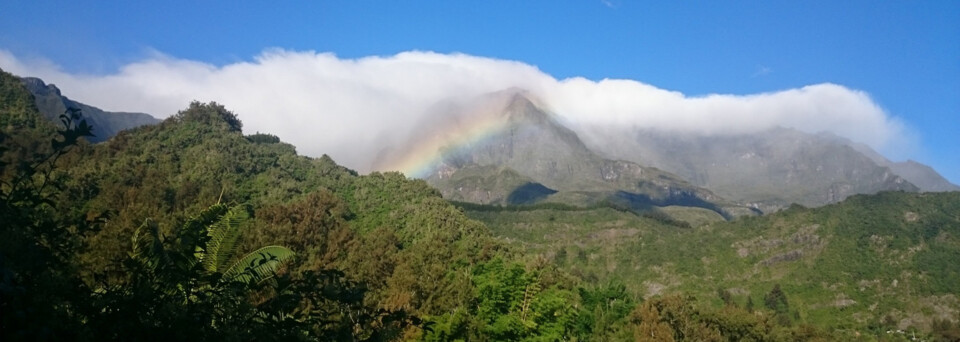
(530,155)
(921,175)
(525,156)
(770,169)
(52,104)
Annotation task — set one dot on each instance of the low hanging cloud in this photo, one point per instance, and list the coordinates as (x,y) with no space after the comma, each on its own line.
(352,108)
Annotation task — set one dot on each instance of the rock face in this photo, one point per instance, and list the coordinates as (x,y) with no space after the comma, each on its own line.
(923,176)
(52,104)
(530,157)
(770,169)
(529,146)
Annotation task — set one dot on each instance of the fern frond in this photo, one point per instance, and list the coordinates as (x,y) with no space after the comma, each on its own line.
(193,235)
(259,265)
(223,239)
(147,247)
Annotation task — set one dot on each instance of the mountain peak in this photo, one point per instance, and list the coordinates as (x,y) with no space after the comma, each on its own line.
(51,103)
(521,108)
(37,87)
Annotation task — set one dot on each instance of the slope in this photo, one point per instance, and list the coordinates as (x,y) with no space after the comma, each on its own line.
(527,153)
(881,262)
(52,104)
(923,176)
(770,169)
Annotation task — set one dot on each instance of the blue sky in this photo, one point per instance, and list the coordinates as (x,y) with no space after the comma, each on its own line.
(904,54)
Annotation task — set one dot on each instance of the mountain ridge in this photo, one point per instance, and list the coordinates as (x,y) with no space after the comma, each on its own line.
(530,148)
(770,169)
(51,103)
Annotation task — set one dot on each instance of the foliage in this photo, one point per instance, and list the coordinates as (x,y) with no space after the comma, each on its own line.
(188,286)
(182,288)
(39,291)
(511,304)
(678,318)
(377,252)
(776,300)
(845,266)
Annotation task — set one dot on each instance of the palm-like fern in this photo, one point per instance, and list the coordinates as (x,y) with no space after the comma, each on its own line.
(221,238)
(259,265)
(194,277)
(210,240)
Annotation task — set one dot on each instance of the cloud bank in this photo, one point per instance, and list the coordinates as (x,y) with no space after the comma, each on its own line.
(352,108)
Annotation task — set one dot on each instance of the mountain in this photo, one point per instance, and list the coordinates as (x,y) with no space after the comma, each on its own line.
(374,250)
(52,104)
(368,246)
(923,176)
(769,169)
(524,155)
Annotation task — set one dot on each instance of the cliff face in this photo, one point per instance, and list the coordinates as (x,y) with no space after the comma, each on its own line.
(770,169)
(767,170)
(52,104)
(532,157)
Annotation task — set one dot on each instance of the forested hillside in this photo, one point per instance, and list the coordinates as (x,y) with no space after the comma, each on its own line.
(192,230)
(871,263)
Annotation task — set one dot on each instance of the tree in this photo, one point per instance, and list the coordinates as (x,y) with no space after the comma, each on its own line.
(725,296)
(776,300)
(40,292)
(649,325)
(182,287)
(190,287)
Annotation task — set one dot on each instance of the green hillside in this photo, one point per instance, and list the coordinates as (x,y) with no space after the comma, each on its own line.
(878,262)
(192,230)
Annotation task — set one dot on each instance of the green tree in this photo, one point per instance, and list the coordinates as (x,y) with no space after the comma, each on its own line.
(181,287)
(40,292)
(725,296)
(649,325)
(191,287)
(776,300)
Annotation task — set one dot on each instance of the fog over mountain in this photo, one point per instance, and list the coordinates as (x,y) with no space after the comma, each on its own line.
(352,108)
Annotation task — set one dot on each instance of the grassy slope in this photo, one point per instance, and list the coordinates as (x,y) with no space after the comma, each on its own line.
(851,264)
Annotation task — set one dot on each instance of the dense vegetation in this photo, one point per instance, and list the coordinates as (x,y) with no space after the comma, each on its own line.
(868,265)
(191,230)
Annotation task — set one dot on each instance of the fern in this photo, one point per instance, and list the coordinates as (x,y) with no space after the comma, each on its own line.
(223,236)
(194,236)
(259,265)
(148,248)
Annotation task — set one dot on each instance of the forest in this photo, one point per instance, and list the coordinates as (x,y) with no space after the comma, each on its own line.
(193,230)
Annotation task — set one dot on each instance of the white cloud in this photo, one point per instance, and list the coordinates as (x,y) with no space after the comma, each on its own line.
(352,108)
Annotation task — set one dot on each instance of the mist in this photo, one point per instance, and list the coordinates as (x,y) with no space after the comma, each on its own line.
(351,109)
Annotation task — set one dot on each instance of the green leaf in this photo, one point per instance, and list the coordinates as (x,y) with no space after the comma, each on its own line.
(259,265)
(193,236)
(223,236)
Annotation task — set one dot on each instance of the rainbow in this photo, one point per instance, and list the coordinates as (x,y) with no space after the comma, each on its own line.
(425,153)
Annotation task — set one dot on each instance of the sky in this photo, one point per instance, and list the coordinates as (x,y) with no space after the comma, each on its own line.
(883,73)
